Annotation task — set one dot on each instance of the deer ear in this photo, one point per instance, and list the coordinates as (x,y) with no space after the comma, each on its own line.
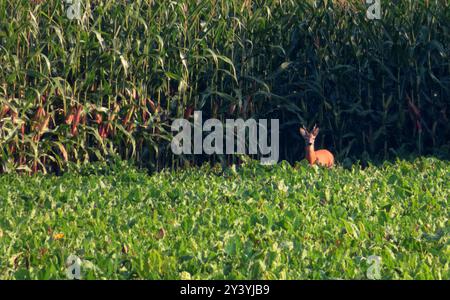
(315,131)
(303,132)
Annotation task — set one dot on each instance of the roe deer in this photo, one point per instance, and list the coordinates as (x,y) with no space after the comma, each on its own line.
(321,157)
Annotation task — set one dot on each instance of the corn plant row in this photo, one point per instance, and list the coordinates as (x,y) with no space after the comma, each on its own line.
(109,81)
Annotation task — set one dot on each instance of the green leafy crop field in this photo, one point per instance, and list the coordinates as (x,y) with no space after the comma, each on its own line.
(250,222)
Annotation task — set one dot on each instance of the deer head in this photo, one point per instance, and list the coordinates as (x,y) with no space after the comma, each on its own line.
(309,137)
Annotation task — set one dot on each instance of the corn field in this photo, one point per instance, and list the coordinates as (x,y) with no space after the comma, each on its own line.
(109,83)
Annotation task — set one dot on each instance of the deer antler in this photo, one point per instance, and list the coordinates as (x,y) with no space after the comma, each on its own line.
(315,130)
